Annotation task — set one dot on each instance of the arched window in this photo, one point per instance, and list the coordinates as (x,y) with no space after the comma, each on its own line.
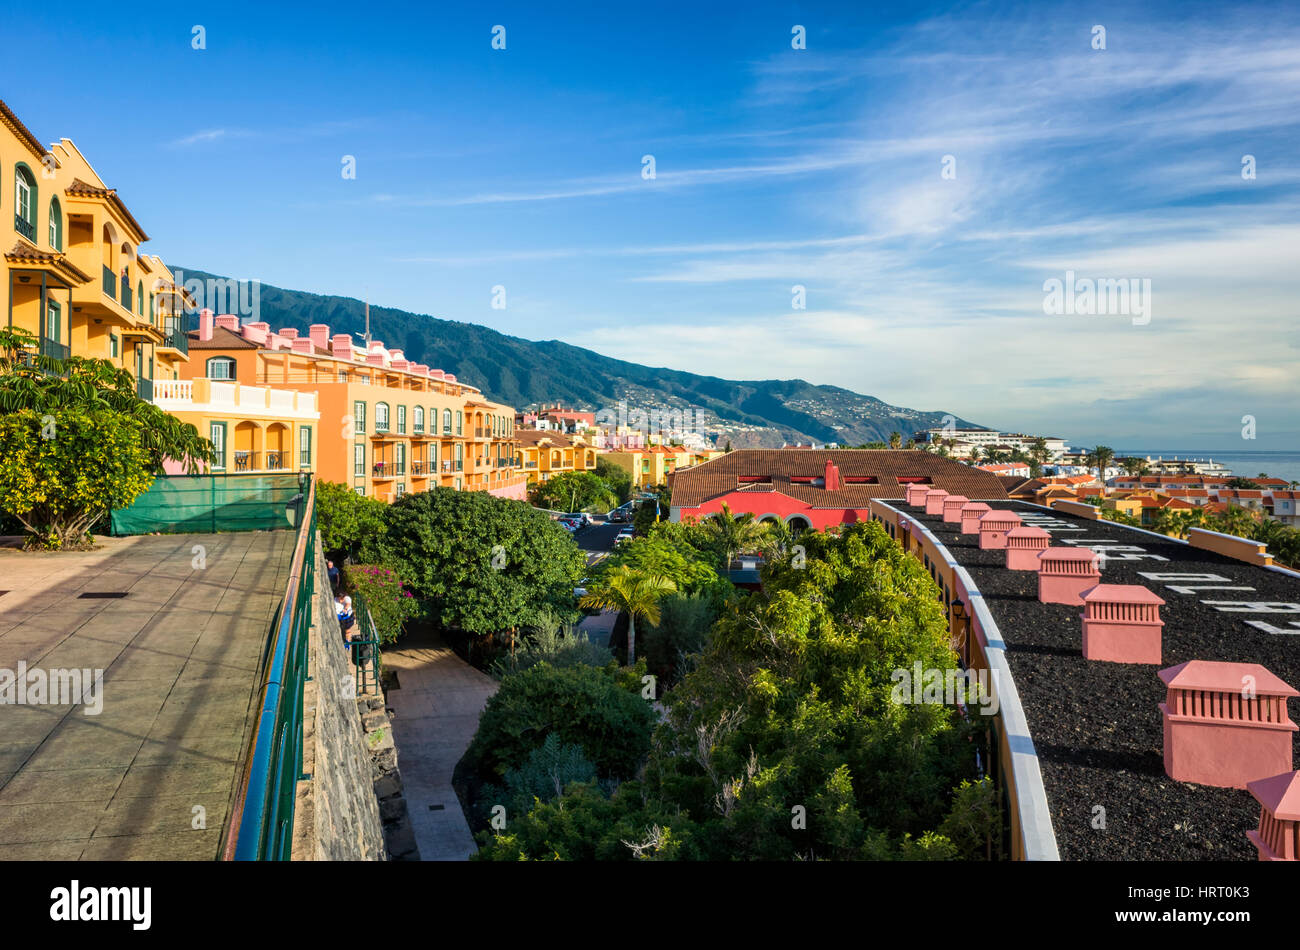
(139,297)
(418,419)
(446,422)
(221,367)
(56,224)
(381,417)
(460,427)
(25,202)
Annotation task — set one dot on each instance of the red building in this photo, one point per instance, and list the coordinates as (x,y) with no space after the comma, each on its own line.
(817,488)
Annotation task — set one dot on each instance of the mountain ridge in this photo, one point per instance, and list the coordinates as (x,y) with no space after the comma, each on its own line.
(525,373)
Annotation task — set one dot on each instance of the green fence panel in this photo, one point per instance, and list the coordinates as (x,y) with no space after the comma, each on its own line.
(183,504)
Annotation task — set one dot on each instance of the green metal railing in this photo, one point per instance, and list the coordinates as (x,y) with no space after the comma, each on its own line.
(110,282)
(365,650)
(261,824)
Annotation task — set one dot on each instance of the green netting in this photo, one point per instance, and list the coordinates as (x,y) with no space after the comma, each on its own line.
(181,504)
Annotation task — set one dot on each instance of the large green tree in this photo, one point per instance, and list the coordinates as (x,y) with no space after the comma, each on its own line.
(349,523)
(481,564)
(43,384)
(63,469)
(575,491)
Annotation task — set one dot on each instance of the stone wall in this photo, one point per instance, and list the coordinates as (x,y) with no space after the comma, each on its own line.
(337,814)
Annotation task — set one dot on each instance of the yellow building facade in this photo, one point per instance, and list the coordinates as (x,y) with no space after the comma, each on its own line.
(76,279)
(652,465)
(547,453)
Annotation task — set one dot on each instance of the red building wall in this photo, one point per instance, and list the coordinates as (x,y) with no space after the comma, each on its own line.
(783,506)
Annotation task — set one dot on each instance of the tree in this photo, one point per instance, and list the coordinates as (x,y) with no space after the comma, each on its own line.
(1135,467)
(974,455)
(44,384)
(349,523)
(575,491)
(733,533)
(481,564)
(616,477)
(895,440)
(1100,459)
(63,469)
(635,593)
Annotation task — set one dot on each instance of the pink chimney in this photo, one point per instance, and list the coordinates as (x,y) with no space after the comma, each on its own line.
(1121,624)
(916,494)
(831,482)
(1225,724)
(952,506)
(994,528)
(1024,544)
(934,501)
(971,513)
(341,346)
(256,332)
(289,333)
(1278,836)
(305,345)
(1065,573)
(206,324)
(320,335)
(228,321)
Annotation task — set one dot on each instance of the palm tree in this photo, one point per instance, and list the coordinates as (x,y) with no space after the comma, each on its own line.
(975,453)
(895,440)
(633,592)
(1135,467)
(733,533)
(1100,459)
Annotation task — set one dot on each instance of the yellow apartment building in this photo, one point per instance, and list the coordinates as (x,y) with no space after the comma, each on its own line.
(653,464)
(547,453)
(75,278)
(388,425)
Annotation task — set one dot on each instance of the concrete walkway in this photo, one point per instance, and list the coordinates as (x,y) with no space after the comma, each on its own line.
(436,714)
(179,653)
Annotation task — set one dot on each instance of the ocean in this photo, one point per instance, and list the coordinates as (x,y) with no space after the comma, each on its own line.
(1243,464)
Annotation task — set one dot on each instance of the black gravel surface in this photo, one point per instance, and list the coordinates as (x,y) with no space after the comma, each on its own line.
(1096,725)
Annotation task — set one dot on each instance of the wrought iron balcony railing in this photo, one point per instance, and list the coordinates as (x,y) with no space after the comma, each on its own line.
(110,282)
(24,227)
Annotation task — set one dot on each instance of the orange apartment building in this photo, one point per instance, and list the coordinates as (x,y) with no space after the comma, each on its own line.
(388,426)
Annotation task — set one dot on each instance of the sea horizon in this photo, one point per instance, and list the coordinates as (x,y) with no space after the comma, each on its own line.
(1244,464)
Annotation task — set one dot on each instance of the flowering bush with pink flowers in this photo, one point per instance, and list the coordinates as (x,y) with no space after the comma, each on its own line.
(390,603)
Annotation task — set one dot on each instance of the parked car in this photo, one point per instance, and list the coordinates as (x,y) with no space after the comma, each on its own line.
(627,534)
(568,524)
(581,517)
(620,514)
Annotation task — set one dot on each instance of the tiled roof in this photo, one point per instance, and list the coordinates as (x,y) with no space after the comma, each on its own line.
(24,134)
(24,253)
(720,476)
(222,339)
(532,437)
(80,189)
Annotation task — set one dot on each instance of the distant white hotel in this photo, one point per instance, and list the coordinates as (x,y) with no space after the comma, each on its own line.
(984,439)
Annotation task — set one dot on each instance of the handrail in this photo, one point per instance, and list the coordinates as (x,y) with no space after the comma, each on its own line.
(261,822)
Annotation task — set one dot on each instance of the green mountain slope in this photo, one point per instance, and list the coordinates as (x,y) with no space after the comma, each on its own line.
(525,373)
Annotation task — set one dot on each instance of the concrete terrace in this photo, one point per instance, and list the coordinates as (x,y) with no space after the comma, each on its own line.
(180,655)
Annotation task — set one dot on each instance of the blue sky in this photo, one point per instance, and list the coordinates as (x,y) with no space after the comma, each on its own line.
(820,167)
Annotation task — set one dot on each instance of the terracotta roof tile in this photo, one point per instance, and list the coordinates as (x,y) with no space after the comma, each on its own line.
(720,476)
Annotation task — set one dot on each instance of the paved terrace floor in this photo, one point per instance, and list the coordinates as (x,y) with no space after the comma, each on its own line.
(179,654)
(1096,725)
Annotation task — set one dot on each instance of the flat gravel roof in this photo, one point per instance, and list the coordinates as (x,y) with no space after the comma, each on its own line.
(1096,725)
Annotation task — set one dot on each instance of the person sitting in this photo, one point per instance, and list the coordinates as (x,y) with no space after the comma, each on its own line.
(347,618)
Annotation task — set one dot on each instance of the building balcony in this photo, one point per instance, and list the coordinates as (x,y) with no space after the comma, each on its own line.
(214,397)
(127,297)
(144,388)
(54,349)
(175,339)
(247,460)
(110,282)
(25,228)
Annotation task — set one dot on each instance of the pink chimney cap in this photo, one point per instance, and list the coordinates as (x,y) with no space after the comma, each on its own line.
(1224,677)
(1000,514)
(1026,531)
(1280,794)
(1120,594)
(1068,554)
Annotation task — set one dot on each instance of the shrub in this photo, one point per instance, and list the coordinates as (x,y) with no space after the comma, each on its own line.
(551,643)
(391,604)
(581,705)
